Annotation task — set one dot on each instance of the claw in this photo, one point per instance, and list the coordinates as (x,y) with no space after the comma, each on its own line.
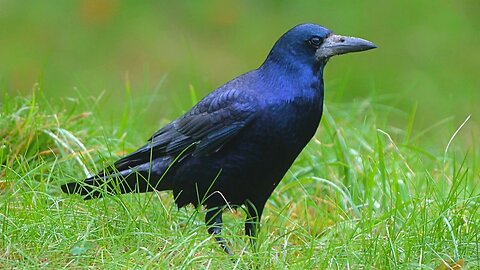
(213,219)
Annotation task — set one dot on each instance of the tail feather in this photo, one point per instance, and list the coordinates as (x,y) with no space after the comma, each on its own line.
(141,178)
(88,189)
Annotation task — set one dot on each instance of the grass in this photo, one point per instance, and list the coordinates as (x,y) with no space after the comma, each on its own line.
(363,195)
(383,185)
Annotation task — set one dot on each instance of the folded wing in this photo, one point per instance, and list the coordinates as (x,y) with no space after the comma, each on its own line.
(203,130)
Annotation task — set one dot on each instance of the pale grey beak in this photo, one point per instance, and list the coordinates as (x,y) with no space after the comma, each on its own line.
(336,44)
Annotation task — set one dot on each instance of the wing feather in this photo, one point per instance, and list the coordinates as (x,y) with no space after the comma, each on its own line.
(208,126)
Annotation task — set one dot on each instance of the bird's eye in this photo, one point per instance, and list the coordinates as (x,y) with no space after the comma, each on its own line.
(315,42)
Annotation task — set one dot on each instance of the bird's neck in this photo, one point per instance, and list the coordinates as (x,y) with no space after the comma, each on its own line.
(290,78)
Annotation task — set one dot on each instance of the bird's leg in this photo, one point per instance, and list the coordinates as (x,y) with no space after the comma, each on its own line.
(252,222)
(213,219)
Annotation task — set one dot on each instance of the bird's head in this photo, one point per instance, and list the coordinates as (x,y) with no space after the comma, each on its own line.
(314,45)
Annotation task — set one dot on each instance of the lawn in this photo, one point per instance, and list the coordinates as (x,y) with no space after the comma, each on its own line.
(390,180)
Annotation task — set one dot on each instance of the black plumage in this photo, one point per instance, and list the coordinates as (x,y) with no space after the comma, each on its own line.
(236,144)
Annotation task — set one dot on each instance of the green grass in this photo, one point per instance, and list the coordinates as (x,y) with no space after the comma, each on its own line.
(364,194)
(387,182)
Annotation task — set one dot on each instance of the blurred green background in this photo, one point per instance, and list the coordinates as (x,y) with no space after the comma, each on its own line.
(428,51)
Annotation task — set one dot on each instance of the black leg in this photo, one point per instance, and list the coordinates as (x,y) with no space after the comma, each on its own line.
(213,219)
(252,222)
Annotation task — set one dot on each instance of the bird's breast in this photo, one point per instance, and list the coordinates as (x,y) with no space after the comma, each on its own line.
(293,122)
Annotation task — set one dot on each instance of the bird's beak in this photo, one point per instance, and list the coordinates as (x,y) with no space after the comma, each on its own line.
(336,44)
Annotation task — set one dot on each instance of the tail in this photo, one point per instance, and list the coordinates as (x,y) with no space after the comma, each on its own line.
(143,178)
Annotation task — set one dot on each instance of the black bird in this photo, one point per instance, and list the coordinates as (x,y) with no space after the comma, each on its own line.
(237,143)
